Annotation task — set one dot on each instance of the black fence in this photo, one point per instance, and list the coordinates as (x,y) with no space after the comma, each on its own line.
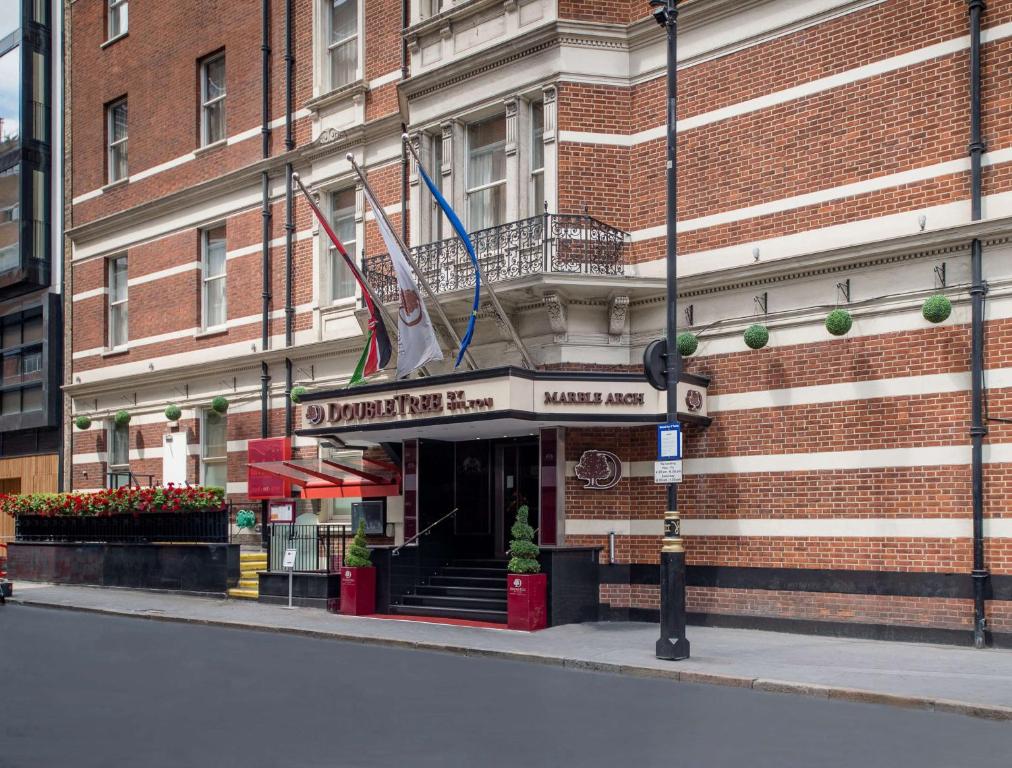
(318,548)
(550,243)
(211,526)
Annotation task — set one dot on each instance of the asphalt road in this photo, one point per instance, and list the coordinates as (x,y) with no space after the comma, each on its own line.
(84,690)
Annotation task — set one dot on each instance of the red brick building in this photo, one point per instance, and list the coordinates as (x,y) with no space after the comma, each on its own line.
(823,164)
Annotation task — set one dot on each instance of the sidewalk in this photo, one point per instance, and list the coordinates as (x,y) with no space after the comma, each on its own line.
(945,678)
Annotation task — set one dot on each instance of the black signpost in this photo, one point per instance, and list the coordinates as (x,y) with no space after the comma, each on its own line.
(672,644)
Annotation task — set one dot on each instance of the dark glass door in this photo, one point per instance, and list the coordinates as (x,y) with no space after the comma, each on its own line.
(516,484)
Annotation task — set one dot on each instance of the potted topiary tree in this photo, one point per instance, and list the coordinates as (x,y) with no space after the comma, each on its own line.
(527,587)
(358,578)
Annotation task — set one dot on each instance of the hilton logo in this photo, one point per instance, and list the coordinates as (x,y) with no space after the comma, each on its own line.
(693,400)
(347,574)
(315,414)
(517,583)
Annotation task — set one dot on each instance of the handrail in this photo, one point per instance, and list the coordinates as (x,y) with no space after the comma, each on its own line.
(424,531)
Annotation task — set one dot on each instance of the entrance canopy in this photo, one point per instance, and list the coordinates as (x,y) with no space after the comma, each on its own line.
(499,402)
(323,479)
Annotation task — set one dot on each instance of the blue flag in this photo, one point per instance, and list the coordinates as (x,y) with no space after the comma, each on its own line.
(462,234)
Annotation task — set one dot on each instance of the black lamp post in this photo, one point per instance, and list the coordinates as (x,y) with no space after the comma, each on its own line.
(672,644)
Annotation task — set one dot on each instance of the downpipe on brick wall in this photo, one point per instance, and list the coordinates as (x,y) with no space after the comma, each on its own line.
(289,214)
(978,288)
(265,236)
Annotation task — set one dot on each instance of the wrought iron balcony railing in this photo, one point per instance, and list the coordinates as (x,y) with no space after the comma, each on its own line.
(551,243)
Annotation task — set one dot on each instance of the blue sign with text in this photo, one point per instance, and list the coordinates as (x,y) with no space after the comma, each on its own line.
(669,441)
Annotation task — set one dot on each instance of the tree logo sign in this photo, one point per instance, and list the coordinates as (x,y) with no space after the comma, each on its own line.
(600,470)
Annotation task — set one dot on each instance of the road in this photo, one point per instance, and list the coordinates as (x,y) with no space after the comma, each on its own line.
(84,690)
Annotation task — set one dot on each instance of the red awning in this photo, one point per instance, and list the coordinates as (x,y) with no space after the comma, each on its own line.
(324,479)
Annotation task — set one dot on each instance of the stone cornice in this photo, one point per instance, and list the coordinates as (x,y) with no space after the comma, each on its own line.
(233,181)
(952,240)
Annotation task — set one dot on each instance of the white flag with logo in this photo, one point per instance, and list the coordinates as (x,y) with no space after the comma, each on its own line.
(416,341)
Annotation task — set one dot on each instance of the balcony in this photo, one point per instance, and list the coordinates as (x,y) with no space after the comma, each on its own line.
(558,243)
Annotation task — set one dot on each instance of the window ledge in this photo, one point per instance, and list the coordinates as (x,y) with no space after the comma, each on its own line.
(331,97)
(340,307)
(115,184)
(115,351)
(208,148)
(216,330)
(116,39)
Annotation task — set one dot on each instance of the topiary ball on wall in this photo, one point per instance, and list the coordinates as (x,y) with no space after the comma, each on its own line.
(122,418)
(936,308)
(82,422)
(297,393)
(757,336)
(219,404)
(838,322)
(687,344)
(173,412)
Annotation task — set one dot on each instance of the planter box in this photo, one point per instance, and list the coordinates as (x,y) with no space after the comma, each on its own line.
(526,601)
(358,591)
(193,568)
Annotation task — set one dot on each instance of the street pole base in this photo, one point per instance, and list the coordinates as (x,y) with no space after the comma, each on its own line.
(672,650)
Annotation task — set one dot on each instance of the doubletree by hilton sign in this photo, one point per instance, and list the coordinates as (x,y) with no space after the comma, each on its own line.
(502,393)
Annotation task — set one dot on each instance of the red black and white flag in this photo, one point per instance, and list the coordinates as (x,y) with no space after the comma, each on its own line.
(376,354)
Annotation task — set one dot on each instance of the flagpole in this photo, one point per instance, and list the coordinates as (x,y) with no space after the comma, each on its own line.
(414,266)
(524,354)
(363,281)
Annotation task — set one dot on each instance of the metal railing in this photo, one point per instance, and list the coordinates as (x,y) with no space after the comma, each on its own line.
(567,243)
(424,532)
(318,548)
(127,479)
(211,526)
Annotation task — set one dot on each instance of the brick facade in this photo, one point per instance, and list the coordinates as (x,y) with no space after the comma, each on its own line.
(842,130)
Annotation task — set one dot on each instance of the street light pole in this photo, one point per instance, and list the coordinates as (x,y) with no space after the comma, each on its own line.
(672,644)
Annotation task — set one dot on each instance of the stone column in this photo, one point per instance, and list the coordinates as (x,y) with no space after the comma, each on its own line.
(514,174)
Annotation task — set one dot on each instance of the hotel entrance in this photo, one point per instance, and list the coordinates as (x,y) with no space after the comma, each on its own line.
(485,481)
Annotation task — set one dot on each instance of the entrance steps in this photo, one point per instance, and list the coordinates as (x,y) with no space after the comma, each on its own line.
(250,564)
(460,589)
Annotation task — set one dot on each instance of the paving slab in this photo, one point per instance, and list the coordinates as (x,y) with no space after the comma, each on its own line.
(962,679)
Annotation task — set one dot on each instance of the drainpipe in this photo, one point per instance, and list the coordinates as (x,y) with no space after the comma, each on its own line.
(289,214)
(977,291)
(265,236)
(405,20)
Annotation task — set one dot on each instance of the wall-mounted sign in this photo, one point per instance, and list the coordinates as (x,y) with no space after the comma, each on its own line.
(544,396)
(260,484)
(600,470)
(282,512)
(594,398)
(399,406)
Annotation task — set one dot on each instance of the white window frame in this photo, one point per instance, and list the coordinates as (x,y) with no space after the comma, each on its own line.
(329,45)
(469,190)
(333,255)
(207,102)
(113,144)
(535,173)
(430,8)
(118,9)
(214,460)
(113,302)
(110,467)
(205,237)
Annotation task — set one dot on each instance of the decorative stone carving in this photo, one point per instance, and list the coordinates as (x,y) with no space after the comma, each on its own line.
(557,313)
(512,120)
(618,311)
